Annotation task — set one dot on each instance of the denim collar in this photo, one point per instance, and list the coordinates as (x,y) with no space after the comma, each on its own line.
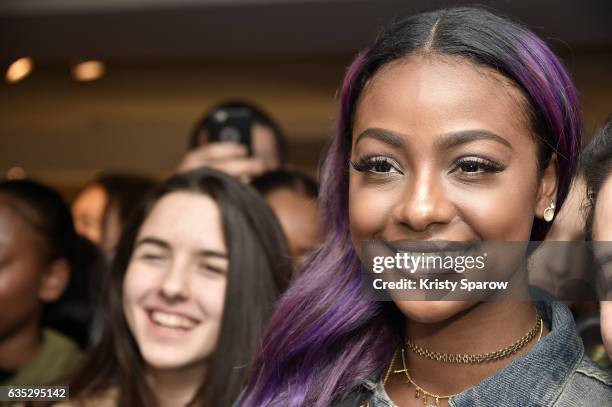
(536,378)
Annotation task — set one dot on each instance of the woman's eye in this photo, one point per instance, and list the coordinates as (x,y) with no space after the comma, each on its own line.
(208,268)
(382,166)
(477,165)
(376,165)
(152,257)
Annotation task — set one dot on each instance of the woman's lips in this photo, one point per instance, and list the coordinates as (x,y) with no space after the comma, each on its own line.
(432,257)
(431,246)
(170,324)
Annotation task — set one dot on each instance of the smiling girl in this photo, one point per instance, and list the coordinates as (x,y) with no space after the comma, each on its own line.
(455,125)
(193,283)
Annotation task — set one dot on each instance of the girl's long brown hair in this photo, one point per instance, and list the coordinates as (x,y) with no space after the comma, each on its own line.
(259,270)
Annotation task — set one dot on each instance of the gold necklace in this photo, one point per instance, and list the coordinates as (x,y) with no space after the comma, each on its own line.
(462,358)
(421,393)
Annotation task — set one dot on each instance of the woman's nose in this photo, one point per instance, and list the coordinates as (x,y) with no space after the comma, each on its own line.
(425,203)
(175,283)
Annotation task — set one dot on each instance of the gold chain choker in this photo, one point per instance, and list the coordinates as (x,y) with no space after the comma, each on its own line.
(462,358)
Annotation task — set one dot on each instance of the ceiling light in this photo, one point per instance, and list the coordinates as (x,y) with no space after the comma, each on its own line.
(19,70)
(88,71)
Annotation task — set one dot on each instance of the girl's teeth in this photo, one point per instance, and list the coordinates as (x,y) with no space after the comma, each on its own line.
(171,320)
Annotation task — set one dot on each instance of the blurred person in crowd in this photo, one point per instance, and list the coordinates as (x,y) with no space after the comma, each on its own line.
(38,248)
(101,209)
(266,149)
(193,282)
(88,211)
(564,267)
(456,125)
(570,221)
(560,266)
(293,198)
(598,174)
(77,313)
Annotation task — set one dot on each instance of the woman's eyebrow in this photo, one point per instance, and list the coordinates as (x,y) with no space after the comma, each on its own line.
(450,140)
(153,241)
(212,253)
(385,136)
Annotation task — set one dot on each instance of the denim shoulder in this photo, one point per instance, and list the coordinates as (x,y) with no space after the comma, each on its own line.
(589,385)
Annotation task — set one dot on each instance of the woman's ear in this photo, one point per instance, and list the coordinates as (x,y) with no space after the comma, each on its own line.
(547,189)
(54,281)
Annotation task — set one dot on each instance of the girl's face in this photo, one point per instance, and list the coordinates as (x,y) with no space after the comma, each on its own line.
(602,217)
(442,150)
(88,212)
(174,287)
(602,231)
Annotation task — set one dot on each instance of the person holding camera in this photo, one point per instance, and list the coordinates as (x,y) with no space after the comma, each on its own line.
(237,138)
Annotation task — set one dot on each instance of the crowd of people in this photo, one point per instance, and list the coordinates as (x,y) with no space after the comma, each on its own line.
(238,281)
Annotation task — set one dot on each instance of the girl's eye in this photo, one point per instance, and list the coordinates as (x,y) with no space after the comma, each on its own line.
(152,257)
(207,268)
(210,267)
(376,165)
(477,165)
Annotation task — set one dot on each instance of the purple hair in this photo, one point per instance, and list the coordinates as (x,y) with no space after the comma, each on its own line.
(325,337)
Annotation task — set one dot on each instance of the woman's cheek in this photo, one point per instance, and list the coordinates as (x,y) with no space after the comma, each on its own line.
(210,295)
(502,213)
(369,212)
(138,282)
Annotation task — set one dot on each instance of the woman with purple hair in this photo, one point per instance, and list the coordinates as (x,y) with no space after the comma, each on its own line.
(455,125)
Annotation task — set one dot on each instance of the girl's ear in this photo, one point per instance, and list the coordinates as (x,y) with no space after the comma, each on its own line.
(54,281)
(547,189)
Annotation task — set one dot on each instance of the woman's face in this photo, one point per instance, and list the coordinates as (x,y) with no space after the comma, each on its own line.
(298,215)
(21,271)
(174,287)
(443,151)
(602,231)
(602,217)
(88,212)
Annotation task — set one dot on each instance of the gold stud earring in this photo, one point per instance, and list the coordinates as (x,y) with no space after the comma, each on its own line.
(549,212)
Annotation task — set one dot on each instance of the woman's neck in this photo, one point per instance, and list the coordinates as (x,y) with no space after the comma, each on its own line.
(20,348)
(176,387)
(484,328)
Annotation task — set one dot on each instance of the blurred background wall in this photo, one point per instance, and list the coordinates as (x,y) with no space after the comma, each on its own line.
(167,61)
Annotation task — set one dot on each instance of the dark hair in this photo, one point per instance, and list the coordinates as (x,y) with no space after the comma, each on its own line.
(72,313)
(52,221)
(284,179)
(124,192)
(326,336)
(259,270)
(597,169)
(259,117)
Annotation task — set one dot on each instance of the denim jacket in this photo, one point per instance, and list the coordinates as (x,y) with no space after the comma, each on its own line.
(554,373)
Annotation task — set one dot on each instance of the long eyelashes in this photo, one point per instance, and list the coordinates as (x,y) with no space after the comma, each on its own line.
(375,165)
(467,166)
(477,165)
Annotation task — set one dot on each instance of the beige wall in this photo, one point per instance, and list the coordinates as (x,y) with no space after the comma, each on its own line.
(138,118)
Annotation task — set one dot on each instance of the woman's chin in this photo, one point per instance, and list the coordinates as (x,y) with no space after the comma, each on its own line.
(431,312)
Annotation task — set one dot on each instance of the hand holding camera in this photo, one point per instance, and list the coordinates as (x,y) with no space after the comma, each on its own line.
(225,145)
(227,156)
